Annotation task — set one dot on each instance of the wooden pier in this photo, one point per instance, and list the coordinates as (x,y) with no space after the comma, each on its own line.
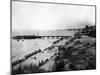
(23,37)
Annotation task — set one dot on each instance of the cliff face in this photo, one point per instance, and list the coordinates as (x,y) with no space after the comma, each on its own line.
(79,52)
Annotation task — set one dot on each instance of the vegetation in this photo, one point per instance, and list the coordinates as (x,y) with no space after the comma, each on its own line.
(90,31)
(27,69)
(78,53)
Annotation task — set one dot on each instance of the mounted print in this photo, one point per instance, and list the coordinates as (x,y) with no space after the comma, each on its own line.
(52,37)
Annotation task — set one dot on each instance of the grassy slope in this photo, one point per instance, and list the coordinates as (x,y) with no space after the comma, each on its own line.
(79,52)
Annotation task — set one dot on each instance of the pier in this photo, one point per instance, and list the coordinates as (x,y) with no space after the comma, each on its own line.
(53,37)
(23,37)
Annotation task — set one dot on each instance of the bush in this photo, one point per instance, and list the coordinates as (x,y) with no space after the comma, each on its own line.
(27,69)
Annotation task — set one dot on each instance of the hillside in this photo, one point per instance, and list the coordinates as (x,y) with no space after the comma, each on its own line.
(79,52)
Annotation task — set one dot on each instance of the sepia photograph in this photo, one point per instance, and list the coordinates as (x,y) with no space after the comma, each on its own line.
(52,37)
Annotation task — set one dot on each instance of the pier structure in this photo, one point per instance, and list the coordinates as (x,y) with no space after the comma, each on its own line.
(53,37)
(38,37)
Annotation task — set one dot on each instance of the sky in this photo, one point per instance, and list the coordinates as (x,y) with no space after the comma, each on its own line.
(44,16)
